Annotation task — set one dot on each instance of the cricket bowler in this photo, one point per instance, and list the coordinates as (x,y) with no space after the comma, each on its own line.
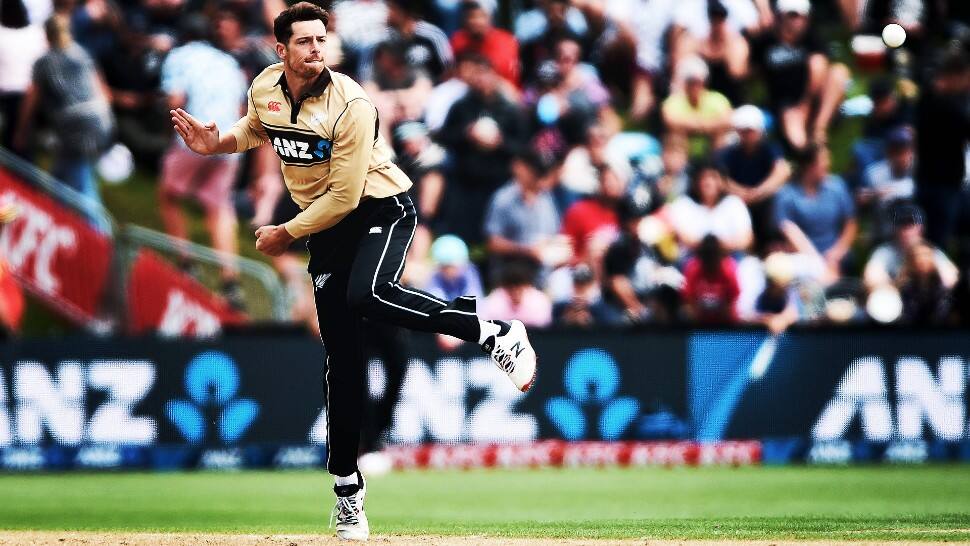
(360,222)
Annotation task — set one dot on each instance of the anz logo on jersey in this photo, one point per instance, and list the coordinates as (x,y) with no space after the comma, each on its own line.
(299,148)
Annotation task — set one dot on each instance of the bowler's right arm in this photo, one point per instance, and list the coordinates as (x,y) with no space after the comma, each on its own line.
(205,138)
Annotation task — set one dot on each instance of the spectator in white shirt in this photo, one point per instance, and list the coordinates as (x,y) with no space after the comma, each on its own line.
(708,209)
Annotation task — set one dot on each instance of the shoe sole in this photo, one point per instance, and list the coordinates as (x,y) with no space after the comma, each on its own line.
(354,537)
(535,369)
(527,386)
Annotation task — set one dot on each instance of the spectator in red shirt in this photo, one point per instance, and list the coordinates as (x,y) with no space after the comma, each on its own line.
(478,35)
(711,288)
(591,223)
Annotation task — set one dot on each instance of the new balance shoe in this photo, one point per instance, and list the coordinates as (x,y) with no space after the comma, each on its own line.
(349,511)
(513,353)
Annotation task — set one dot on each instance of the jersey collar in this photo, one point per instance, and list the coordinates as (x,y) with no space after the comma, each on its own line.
(315,90)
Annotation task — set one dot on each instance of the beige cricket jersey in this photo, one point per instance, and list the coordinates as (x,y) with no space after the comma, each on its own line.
(332,154)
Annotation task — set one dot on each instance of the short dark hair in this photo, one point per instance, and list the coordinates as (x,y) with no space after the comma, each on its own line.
(301,11)
(710,252)
(414,9)
(811,154)
(531,159)
(697,170)
(469,6)
(475,58)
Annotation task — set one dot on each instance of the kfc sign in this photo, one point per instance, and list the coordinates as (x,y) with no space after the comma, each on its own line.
(53,252)
(162,299)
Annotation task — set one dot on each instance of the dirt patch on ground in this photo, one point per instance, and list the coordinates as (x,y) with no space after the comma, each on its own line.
(63,538)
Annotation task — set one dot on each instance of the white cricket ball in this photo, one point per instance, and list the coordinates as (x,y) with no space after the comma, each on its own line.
(893,35)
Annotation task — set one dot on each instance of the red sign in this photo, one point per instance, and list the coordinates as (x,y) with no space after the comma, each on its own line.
(557,453)
(162,299)
(54,252)
(274,106)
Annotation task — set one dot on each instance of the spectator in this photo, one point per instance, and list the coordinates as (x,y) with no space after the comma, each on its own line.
(710,289)
(97,25)
(886,263)
(942,131)
(132,75)
(423,161)
(649,24)
(635,278)
(362,25)
(592,221)
(256,15)
(890,111)
(555,24)
(888,183)
(478,35)
(811,265)
(21,44)
(707,209)
(585,308)
(777,305)
(424,45)
(799,75)
(579,172)
(926,298)
(576,98)
(482,132)
(696,111)
(447,93)
(155,24)
(209,84)
(611,47)
(726,53)
(820,205)
(673,180)
(454,275)
(755,170)
(66,84)
(229,34)
(533,23)
(398,90)
(693,16)
(516,298)
(522,221)
(447,14)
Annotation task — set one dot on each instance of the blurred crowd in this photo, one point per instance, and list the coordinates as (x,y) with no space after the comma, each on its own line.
(576,162)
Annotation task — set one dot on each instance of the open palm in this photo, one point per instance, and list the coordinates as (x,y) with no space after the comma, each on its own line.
(201,138)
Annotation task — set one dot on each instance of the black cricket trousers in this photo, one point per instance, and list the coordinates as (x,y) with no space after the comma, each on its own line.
(355,267)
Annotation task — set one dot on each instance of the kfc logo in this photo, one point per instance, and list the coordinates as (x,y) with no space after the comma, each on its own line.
(32,248)
(183,316)
(274,106)
(54,252)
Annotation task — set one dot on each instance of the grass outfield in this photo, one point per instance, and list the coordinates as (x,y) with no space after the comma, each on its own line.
(882,503)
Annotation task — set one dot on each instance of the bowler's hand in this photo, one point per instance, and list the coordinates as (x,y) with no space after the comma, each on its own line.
(273,240)
(201,138)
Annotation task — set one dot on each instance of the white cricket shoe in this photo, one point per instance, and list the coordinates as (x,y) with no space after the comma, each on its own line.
(513,353)
(349,511)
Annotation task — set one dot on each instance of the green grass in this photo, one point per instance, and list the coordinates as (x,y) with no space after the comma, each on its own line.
(885,503)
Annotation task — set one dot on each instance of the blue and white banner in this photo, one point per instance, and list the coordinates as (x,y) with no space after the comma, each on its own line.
(816,396)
